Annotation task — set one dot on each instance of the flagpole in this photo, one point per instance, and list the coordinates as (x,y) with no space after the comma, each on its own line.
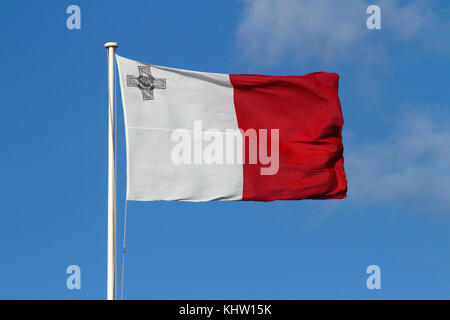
(111,269)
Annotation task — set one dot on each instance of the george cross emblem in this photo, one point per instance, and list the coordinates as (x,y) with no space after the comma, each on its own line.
(146,82)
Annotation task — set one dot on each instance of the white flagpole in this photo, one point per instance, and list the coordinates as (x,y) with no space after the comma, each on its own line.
(111,270)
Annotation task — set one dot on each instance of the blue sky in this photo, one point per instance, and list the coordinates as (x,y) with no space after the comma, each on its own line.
(395,99)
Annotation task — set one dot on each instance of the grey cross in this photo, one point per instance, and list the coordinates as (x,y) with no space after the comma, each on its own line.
(146,82)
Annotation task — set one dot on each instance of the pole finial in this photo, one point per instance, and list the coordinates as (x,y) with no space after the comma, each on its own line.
(111,44)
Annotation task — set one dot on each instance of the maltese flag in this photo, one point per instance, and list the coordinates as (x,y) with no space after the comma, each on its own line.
(197,136)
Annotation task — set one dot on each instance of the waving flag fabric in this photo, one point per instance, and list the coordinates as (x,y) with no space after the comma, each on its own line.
(199,136)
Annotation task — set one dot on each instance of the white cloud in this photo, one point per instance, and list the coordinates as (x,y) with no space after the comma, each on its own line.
(408,20)
(271,30)
(411,165)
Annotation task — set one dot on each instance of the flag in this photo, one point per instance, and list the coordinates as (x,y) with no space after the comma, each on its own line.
(198,136)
